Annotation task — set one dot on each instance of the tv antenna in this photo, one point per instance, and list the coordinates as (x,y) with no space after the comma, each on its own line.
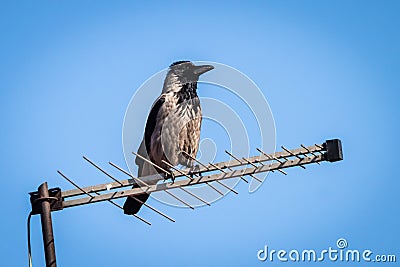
(45,201)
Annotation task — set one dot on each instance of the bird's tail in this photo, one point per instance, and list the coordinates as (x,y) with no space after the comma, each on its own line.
(132,205)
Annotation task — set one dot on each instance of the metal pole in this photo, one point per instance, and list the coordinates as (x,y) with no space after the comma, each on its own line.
(47,228)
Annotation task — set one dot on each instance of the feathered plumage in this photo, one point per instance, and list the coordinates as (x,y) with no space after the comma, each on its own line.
(173,125)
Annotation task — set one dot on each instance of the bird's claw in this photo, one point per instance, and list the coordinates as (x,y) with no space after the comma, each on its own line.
(195,169)
(168,176)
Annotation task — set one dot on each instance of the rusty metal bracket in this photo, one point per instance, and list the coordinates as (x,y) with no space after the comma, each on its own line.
(54,198)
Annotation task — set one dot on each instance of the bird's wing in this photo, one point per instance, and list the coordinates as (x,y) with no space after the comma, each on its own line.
(145,168)
(140,162)
(152,121)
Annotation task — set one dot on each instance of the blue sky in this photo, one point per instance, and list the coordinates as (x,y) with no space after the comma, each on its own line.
(329,69)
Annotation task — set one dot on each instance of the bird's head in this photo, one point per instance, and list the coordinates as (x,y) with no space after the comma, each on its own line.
(181,73)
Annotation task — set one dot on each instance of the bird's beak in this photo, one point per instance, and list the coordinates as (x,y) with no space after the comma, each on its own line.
(198,70)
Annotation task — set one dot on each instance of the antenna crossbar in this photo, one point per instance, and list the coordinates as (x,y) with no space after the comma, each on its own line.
(205,168)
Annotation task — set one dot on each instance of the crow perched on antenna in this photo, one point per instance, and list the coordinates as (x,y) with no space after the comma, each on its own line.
(172,127)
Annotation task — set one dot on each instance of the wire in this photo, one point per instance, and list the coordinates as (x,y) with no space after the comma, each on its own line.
(29,239)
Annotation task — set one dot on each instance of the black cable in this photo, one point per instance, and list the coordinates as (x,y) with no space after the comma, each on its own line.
(29,239)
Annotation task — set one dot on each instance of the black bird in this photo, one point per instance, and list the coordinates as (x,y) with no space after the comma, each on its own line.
(172,127)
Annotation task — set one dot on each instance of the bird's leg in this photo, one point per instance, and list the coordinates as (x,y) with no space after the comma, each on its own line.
(168,176)
(194,169)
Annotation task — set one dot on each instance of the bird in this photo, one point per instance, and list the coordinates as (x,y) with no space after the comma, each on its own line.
(172,131)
